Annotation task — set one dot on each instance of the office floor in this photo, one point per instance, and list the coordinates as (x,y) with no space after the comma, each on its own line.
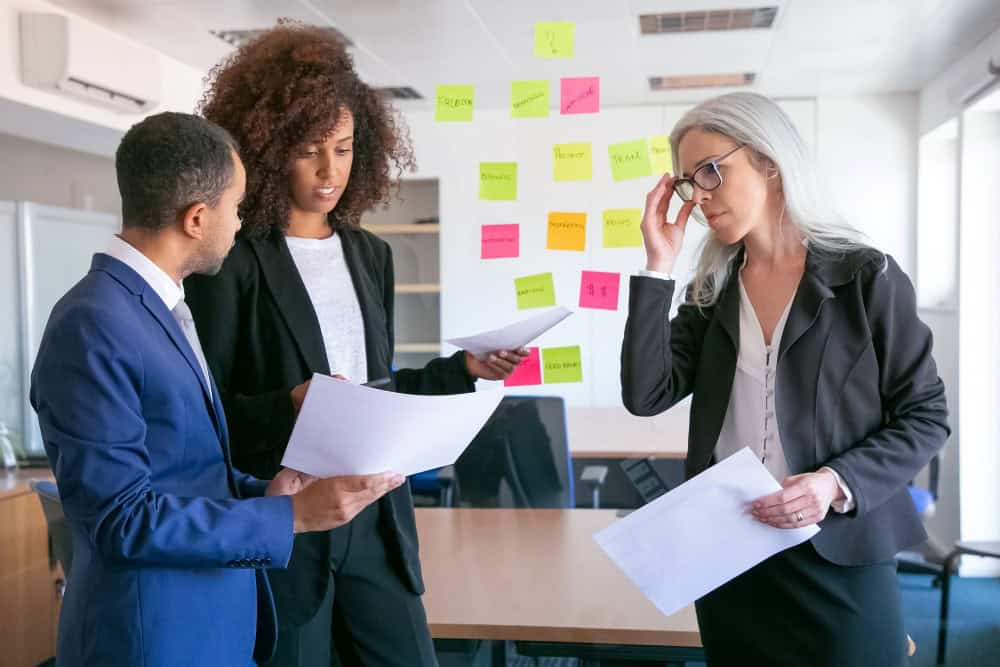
(973,637)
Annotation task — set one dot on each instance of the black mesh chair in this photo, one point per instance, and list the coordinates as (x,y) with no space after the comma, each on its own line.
(60,542)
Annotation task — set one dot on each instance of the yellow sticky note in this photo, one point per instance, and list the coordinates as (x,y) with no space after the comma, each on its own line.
(621,228)
(562,364)
(498,181)
(572,162)
(554,39)
(453,103)
(659,154)
(630,160)
(567,231)
(537,291)
(529,99)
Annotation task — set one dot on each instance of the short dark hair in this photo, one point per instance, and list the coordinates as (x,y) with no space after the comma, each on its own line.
(168,162)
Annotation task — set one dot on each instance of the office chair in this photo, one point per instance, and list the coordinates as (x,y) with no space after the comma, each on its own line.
(981,549)
(60,541)
(521,458)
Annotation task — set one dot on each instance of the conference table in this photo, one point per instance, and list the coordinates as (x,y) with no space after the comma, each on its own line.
(538,578)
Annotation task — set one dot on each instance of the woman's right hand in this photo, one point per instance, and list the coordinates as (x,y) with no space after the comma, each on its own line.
(663,239)
(299,395)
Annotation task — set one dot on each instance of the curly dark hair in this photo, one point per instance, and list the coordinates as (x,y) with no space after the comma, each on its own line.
(285,87)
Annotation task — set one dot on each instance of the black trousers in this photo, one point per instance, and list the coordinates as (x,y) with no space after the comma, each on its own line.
(798,609)
(368,617)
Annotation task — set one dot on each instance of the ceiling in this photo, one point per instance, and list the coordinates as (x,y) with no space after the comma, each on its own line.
(816,47)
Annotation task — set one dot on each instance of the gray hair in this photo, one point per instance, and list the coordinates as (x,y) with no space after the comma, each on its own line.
(758,122)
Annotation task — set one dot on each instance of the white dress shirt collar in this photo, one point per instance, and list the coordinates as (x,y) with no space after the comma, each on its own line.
(169,292)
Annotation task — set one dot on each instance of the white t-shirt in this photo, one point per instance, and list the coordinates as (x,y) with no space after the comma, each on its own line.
(328,281)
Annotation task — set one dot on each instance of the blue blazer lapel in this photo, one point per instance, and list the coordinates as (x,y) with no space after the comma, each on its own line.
(154,304)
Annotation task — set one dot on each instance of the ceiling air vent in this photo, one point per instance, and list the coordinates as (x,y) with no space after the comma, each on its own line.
(702,21)
(237,38)
(661,83)
(400,93)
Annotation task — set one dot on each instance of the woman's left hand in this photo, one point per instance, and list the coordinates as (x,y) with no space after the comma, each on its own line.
(497,365)
(804,500)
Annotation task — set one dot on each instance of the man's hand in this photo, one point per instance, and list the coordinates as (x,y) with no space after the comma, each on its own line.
(328,503)
(288,482)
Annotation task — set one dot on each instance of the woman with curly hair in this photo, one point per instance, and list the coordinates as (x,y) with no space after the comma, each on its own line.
(306,290)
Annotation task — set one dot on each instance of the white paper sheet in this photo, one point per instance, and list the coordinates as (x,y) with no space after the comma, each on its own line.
(514,335)
(697,537)
(347,429)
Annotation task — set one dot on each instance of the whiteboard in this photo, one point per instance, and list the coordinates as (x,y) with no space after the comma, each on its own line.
(478,295)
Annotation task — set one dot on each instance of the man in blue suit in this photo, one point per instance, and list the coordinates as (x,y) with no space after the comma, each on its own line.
(170,542)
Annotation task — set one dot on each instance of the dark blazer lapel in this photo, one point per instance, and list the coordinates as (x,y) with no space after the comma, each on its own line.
(809,297)
(292,299)
(368,295)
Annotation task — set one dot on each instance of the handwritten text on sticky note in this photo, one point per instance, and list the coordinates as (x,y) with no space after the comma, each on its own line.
(572,162)
(629,160)
(529,99)
(537,291)
(453,103)
(498,181)
(580,95)
(659,154)
(500,241)
(554,39)
(567,231)
(599,289)
(562,364)
(621,228)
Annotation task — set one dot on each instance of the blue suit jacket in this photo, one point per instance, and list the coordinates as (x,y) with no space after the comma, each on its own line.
(169,541)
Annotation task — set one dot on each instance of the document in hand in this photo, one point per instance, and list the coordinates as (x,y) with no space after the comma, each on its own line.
(514,335)
(347,429)
(697,537)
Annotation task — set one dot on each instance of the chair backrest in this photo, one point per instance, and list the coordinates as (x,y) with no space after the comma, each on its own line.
(60,541)
(524,447)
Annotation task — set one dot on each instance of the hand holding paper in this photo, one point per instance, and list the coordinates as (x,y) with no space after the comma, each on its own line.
(697,537)
(512,336)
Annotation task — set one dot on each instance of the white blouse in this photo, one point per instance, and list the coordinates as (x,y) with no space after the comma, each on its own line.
(750,419)
(328,281)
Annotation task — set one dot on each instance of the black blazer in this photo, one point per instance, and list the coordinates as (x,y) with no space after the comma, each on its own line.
(261,338)
(856,388)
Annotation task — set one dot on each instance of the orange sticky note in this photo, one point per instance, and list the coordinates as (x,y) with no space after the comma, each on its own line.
(567,231)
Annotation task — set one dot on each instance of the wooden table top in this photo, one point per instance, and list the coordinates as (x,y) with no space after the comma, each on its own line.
(535,575)
(18,482)
(611,432)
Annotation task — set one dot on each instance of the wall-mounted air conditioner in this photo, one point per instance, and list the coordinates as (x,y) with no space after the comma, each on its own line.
(67,55)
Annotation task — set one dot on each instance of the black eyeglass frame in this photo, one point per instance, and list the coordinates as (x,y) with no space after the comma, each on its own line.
(713,166)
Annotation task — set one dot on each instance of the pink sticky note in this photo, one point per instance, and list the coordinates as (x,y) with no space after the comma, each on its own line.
(580,95)
(599,290)
(529,371)
(500,241)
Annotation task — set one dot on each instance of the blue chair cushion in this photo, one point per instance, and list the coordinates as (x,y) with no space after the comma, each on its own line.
(922,499)
(426,482)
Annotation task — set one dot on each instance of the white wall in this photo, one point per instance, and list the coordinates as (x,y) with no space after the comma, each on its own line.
(942,98)
(41,173)
(867,148)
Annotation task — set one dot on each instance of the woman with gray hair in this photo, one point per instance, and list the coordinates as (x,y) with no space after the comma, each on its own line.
(801,342)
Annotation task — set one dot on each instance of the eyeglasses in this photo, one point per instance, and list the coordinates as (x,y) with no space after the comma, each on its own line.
(707,177)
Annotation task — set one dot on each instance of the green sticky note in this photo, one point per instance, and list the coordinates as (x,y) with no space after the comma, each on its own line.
(498,181)
(529,99)
(572,162)
(621,228)
(562,364)
(535,291)
(554,39)
(453,103)
(630,160)
(659,154)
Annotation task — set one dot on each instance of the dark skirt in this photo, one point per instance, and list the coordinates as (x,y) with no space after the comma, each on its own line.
(798,609)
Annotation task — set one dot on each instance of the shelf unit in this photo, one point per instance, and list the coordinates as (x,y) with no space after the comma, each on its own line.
(416,252)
